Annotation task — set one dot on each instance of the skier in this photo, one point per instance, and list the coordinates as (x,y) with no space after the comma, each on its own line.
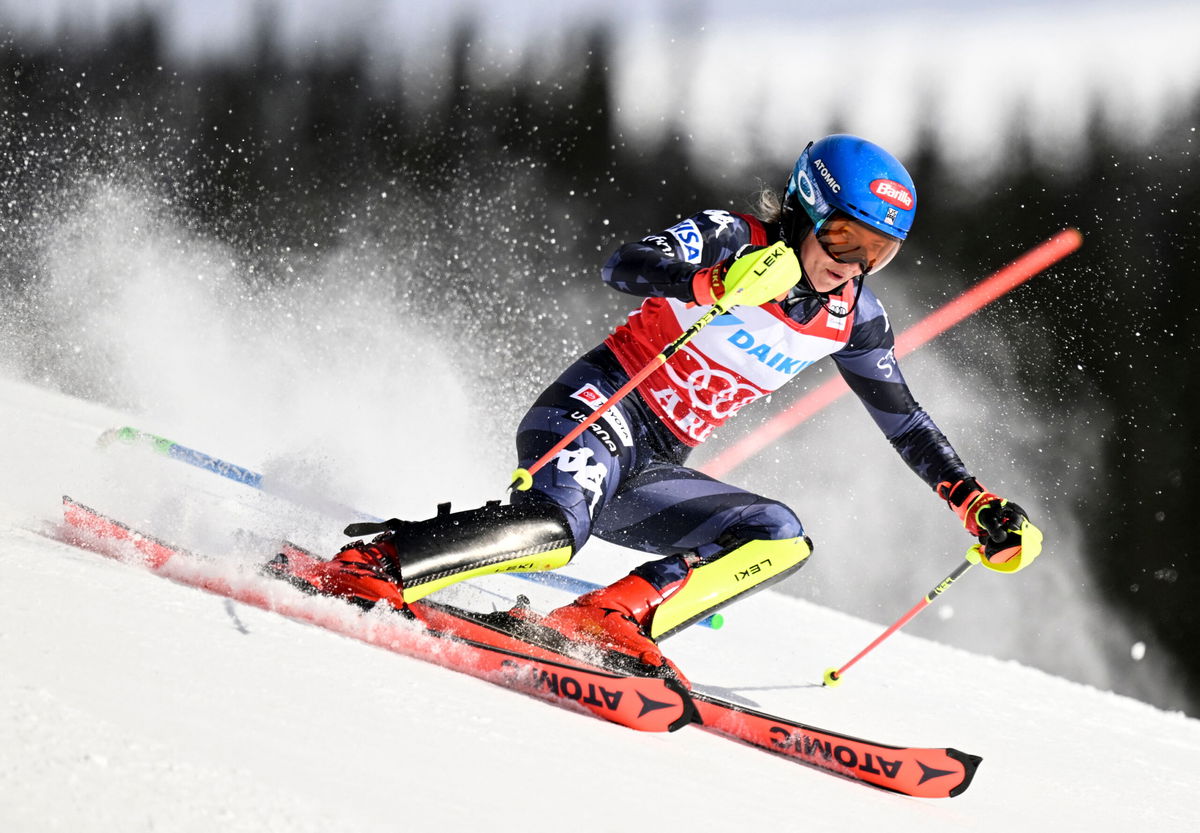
(797,273)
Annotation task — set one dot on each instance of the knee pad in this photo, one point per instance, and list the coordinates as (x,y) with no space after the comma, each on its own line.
(739,571)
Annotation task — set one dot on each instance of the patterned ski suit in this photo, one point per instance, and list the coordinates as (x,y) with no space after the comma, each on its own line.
(625,479)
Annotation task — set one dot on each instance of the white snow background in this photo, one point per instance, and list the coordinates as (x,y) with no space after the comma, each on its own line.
(128,703)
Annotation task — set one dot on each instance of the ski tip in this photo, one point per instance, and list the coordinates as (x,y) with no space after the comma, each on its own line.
(970,763)
(832,678)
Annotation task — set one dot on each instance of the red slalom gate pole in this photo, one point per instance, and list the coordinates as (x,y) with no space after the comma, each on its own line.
(1036,260)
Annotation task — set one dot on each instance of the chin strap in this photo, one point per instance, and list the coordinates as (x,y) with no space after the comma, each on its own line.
(804,291)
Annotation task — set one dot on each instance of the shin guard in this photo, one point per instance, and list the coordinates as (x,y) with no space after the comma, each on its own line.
(453,546)
(736,573)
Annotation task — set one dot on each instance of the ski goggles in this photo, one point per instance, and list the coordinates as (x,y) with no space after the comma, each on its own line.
(848,241)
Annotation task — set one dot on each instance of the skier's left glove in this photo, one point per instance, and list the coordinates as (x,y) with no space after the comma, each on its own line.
(1008,540)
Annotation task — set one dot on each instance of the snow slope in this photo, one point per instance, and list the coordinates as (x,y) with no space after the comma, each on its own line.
(129,703)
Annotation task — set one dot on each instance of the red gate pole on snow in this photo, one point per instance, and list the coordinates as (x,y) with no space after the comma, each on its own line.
(1037,259)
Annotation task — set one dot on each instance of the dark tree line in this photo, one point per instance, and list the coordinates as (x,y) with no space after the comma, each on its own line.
(277,156)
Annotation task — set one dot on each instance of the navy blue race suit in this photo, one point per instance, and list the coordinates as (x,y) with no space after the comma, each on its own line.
(626,481)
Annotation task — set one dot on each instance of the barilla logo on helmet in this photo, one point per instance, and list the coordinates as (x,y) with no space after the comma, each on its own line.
(893,193)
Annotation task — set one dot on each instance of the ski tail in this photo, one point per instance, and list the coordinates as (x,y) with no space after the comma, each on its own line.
(920,772)
(92,528)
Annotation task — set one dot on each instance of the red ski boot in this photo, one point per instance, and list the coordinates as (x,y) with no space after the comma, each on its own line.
(616,618)
(360,573)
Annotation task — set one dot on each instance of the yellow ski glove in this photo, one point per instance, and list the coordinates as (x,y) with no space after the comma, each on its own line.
(750,278)
(1008,540)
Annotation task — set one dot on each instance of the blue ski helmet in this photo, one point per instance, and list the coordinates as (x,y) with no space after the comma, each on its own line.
(848,174)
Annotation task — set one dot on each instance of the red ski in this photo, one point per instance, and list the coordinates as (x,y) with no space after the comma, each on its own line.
(497,647)
(650,704)
(926,773)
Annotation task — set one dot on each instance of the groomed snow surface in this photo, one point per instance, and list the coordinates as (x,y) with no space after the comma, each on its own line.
(130,703)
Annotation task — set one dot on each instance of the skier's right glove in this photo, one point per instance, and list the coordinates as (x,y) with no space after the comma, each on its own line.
(1008,540)
(753,276)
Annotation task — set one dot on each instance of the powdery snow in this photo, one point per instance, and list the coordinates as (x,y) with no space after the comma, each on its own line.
(130,703)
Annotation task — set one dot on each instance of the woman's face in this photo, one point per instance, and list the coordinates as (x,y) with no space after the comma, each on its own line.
(824,273)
